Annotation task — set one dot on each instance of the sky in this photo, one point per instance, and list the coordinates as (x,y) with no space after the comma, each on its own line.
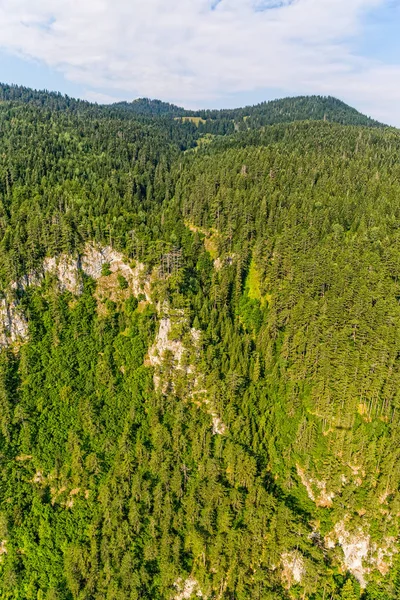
(207,53)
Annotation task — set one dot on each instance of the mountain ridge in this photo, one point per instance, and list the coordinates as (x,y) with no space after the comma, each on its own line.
(322,106)
(285,109)
(199,363)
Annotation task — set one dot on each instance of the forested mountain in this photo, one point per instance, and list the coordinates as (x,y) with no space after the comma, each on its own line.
(224,121)
(287,110)
(153,108)
(228,121)
(53,100)
(199,352)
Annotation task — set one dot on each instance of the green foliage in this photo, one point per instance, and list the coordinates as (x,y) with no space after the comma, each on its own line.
(112,488)
(122,282)
(349,591)
(250,314)
(105,269)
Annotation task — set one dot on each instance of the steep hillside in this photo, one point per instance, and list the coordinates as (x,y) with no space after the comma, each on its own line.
(199,358)
(309,220)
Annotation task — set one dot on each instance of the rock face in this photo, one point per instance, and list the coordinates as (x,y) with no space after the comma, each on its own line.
(13,325)
(218,426)
(94,258)
(3,548)
(187,589)
(316,489)
(91,262)
(163,343)
(355,550)
(219,262)
(68,271)
(164,379)
(293,567)
(361,555)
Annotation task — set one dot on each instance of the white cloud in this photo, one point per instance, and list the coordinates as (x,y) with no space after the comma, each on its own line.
(192,51)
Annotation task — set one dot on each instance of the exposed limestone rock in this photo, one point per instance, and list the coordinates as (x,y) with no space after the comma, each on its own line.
(69,502)
(164,343)
(95,257)
(382,557)
(196,335)
(356,469)
(218,264)
(293,567)
(60,489)
(67,270)
(64,267)
(3,549)
(109,288)
(355,548)
(38,478)
(222,262)
(316,489)
(158,354)
(159,351)
(187,589)
(218,426)
(361,556)
(23,457)
(383,497)
(91,262)
(13,325)
(27,280)
(56,493)
(329,543)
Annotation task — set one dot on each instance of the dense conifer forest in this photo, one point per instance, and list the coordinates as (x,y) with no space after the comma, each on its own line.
(199,351)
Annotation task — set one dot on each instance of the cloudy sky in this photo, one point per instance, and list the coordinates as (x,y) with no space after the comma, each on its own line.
(207,53)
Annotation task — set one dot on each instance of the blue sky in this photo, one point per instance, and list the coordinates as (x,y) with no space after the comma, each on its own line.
(380,38)
(207,53)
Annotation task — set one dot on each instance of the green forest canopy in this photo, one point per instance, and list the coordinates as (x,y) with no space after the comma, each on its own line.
(287,230)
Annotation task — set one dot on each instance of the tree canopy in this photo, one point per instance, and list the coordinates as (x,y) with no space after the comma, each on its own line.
(233,425)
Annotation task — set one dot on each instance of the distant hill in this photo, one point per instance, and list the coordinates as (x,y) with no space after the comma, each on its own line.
(285,110)
(300,108)
(222,122)
(153,108)
(45,98)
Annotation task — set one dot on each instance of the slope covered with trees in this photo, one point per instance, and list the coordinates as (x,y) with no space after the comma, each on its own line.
(153,108)
(227,423)
(287,110)
(223,121)
(227,121)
